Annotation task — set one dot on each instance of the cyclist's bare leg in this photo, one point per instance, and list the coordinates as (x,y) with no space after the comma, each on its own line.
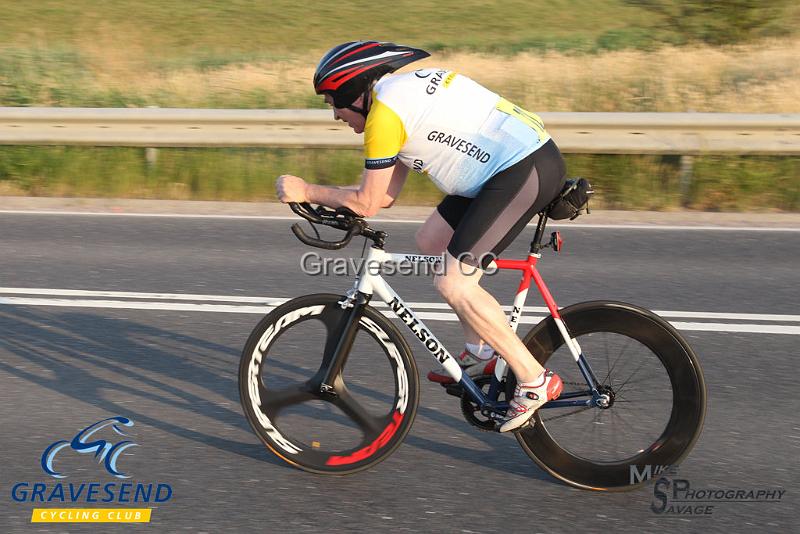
(478,309)
(432,239)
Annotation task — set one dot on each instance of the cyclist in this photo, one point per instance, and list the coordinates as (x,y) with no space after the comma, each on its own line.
(495,162)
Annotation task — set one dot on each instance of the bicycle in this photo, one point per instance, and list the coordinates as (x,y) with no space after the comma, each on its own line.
(342,412)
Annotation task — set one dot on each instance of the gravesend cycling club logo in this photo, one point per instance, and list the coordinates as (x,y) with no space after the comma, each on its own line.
(103,450)
(103,442)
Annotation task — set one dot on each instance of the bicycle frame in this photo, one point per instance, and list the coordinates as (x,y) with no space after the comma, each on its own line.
(369,282)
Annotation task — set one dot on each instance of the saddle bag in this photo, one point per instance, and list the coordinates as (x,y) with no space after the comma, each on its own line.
(572,201)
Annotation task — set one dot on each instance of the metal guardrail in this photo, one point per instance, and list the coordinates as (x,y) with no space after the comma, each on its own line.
(591,133)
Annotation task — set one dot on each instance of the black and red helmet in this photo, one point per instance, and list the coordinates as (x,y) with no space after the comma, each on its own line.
(346,71)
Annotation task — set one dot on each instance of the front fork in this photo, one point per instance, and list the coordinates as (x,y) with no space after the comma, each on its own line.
(332,366)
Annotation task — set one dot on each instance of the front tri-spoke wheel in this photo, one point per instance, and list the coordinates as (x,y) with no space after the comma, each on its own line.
(650,405)
(352,425)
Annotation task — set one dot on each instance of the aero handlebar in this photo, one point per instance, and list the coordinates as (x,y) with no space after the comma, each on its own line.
(341,219)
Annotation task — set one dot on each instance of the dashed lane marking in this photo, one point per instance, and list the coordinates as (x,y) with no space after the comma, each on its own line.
(183,302)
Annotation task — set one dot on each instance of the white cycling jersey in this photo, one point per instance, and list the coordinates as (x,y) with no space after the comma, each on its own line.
(449,127)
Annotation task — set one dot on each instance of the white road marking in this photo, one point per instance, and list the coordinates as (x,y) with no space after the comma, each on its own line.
(734,328)
(400,221)
(275,301)
(663,313)
(134,305)
(136,295)
(155,215)
(77,298)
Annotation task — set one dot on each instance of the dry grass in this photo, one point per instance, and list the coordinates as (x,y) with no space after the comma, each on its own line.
(737,79)
(759,79)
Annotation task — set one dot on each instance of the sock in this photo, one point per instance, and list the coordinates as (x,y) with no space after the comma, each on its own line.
(482,352)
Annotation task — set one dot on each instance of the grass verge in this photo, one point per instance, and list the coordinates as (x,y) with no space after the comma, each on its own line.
(745,183)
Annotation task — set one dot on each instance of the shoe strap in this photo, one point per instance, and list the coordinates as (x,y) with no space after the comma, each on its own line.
(545,375)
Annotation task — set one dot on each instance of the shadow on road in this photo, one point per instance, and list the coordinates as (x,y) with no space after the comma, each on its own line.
(86,355)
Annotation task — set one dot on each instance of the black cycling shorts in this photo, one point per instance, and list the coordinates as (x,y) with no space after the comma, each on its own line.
(485,225)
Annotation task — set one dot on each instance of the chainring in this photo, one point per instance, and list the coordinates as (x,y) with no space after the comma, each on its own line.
(471,410)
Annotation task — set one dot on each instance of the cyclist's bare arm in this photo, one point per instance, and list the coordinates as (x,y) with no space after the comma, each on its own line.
(379,189)
(395,186)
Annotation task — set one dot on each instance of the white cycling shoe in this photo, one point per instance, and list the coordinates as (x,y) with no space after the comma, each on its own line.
(528,398)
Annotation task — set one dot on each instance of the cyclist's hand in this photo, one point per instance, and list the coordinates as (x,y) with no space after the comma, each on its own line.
(291,189)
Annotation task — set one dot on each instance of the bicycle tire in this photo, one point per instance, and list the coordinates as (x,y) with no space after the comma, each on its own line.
(686,418)
(380,435)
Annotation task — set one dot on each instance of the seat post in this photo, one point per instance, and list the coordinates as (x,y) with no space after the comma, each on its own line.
(536,244)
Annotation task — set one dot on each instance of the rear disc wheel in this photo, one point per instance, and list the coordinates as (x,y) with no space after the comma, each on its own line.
(652,405)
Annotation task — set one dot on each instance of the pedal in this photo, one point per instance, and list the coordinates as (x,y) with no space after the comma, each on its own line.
(456,390)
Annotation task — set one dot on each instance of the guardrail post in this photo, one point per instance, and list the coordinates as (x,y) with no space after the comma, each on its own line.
(151,154)
(685,185)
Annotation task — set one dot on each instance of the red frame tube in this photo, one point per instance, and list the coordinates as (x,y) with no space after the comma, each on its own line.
(528,268)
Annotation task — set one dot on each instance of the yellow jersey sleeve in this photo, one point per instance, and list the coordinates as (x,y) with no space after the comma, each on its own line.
(384,136)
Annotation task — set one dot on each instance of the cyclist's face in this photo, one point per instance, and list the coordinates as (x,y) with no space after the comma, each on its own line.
(353,119)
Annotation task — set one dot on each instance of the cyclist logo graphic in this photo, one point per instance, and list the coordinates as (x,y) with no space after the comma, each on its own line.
(105,451)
